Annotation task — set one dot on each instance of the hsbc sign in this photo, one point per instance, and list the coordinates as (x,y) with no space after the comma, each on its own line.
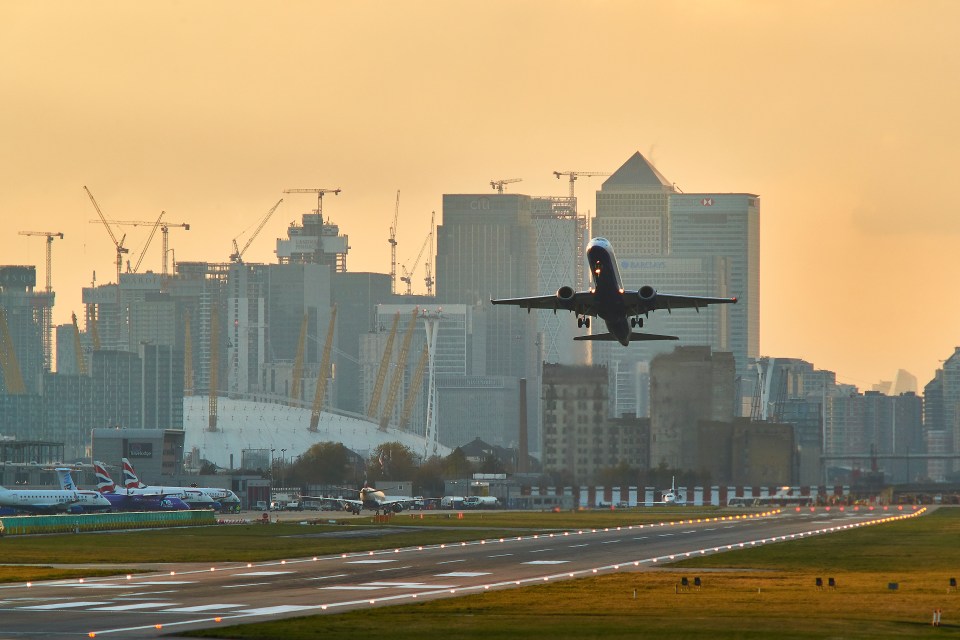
(707,202)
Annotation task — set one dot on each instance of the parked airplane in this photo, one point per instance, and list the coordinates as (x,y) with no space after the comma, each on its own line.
(372,499)
(53,500)
(121,501)
(194,498)
(611,302)
(672,496)
(222,498)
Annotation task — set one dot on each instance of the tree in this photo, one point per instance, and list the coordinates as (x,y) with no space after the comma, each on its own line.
(456,465)
(428,481)
(323,463)
(391,460)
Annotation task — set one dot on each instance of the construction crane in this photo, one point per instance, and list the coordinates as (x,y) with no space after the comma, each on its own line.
(414,389)
(320,193)
(50,235)
(576,174)
(393,246)
(118,245)
(398,373)
(374,405)
(298,362)
(408,274)
(237,255)
(428,265)
(81,361)
(12,377)
(498,184)
(164,227)
(322,374)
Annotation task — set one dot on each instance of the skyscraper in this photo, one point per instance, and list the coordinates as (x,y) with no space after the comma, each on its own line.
(486,248)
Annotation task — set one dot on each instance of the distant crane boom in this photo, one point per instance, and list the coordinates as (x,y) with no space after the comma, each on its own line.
(498,184)
(50,235)
(118,245)
(320,193)
(573,175)
(393,246)
(237,255)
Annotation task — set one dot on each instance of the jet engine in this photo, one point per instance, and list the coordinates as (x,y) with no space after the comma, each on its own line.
(565,293)
(397,507)
(647,293)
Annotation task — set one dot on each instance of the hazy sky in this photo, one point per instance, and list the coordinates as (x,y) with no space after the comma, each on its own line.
(842,116)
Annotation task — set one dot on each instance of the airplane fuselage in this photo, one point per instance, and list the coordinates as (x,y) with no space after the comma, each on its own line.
(608,289)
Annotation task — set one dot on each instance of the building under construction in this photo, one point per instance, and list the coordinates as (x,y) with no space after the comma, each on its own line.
(25,331)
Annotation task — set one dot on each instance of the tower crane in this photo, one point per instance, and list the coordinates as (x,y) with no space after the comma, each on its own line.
(428,265)
(576,174)
(118,245)
(50,235)
(320,193)
(237,255)
(408,273)
(497,185)
(159,223)
(393,246)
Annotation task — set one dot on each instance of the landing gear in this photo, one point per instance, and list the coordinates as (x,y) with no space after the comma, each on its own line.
(636,322)
(583,321)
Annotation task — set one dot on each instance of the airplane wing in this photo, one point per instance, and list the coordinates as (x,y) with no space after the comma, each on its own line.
(405,502)
(669,301)
(580,302)
(341,502)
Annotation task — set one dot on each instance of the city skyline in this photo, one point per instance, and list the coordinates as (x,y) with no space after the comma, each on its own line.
(842,126)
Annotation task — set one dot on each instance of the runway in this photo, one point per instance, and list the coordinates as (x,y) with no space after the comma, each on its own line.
(190,597)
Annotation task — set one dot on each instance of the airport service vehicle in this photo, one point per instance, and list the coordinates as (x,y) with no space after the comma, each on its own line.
(223,498)
(609,301)
(481,502)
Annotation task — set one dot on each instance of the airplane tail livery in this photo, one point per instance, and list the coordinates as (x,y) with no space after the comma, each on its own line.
(130,479)
(105,483)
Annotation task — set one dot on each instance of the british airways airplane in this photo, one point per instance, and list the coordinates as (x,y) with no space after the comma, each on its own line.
(619,308)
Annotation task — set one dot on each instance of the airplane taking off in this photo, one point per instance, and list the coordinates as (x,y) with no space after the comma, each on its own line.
(609,301)
(53,500)
(372,499)
(215,497)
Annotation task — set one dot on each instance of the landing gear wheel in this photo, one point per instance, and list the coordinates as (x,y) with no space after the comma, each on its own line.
(579,323)
(586,322)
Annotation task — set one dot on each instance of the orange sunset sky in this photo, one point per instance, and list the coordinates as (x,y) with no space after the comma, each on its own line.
(842,116)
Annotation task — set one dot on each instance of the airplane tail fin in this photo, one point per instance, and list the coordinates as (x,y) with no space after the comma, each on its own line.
(105,483)
(66,480)
(633,336)
(130,479)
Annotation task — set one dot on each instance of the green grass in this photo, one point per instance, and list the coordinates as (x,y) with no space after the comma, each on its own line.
(258,542)
(35,574)
(760,592)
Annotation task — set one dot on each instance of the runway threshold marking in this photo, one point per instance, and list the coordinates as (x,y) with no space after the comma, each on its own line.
(202,607)
(133,607)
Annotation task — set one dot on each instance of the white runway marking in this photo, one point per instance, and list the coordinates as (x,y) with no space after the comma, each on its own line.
(101,586)
(611,541)
(501,555)
(451,561)
(540,550)
(547,562)
(348,587)
(463,574)
(264,573)
(409,585)
(339,575)
(247,584)
(202,607)
(163,582)
(286,608)
(574,546)
(370,561)
(133,607)
(61,605)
